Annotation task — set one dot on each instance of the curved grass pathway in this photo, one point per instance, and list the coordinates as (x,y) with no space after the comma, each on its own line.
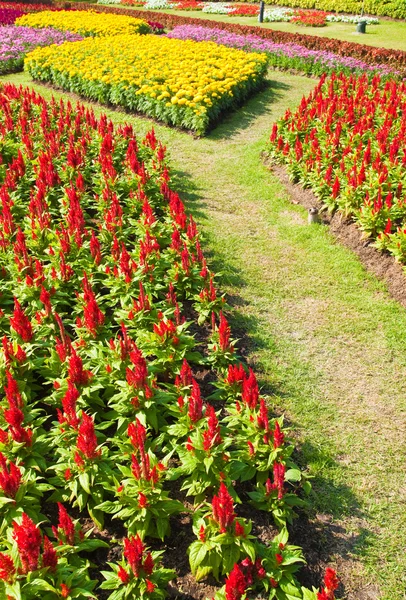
(328,340)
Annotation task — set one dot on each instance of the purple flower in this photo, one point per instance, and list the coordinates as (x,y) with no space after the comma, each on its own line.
(288,56)
(15,42)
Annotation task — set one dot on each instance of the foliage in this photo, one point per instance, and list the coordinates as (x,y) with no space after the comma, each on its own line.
(177,82)
(86,23)
(396,59)
(346,142)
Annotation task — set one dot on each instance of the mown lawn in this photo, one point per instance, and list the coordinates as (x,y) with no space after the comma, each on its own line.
(325,335)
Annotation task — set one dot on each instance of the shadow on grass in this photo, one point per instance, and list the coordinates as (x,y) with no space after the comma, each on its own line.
(242,118)
(317,530)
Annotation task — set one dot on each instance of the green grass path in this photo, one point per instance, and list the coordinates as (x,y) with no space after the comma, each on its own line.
(326,337)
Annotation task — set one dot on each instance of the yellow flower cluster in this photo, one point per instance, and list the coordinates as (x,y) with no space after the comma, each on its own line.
(86,23)
(184,83)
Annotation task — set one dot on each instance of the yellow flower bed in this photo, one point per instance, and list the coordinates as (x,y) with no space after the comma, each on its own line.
(183,83)
(86,23)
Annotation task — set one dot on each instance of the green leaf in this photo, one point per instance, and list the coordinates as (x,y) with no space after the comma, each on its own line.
(84,482)
(249,548)
(197,553)
(293,475)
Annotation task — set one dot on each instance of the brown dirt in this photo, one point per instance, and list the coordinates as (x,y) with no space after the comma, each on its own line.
(381,264)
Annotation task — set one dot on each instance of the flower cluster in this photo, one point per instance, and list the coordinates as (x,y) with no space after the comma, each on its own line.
(394,60)
(171,80)
(86,23)
(281,55)
(15,42)
(347,142)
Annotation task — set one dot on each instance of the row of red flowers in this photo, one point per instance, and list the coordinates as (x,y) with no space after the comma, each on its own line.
(347,141)
(102,407)
(395,58)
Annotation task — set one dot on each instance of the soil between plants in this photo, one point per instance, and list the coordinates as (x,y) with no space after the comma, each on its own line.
(381,264)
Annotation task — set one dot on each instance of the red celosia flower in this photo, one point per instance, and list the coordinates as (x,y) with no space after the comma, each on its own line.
(65,591)
(12,392)
(49,556)
(235,584)
(28,539)
(150,586)
(250,392)
(278,436)
(148,564)
(7,568)
(137,434)
(86,440)
(133,552)
(262,419)
(224,334)
(223,509)
(93,316)
(69,405)
(279,558)
(66,525)
(10,479)
(279,478)
(236,374)
(123,575)
(239,529)
(138,376)
(185,377)
(195,403)
(21,323)
(323,595)
(212,436)
(142,500)
(77,374)
(202,533)
(331,580)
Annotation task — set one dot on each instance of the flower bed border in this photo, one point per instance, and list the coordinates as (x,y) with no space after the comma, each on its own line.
(395,58)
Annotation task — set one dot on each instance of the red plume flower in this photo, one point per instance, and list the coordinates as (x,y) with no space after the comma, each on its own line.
(7,568)
(235,584)
(28,539)
(49,556)
(87,441)
(195,403)
(10,479)
(250,392)
(212,436)
(223,509)
(21,323)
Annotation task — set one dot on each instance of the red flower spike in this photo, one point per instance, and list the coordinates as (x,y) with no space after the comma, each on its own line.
(235,585)
(239,529)
(66,525)
(28,539)
(331,580)
(7,568)
(278,558)
(262,419)
(223,509)
(150,586)
(224,334)
(65,591)
(202,533)
(86,440)
(279,478)
(21,323)
(49,556)
(10,479)
(133,552)
(212,436)
(148,564)
(250,392)
(195,403)
(123,575)
(278,436)
(77,375)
